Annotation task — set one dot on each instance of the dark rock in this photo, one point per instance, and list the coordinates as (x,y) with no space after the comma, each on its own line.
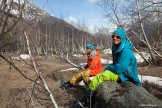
(113,95)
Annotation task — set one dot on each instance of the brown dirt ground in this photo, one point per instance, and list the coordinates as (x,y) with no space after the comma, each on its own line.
(14,87)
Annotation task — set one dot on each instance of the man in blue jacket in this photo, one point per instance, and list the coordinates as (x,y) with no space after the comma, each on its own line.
(124,67)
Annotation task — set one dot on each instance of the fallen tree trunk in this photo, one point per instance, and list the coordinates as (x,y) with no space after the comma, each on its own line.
(113,95)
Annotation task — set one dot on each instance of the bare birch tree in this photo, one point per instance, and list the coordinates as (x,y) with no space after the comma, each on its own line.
(134,14)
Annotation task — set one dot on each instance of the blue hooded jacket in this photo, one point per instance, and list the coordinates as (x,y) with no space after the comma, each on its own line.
(124,61)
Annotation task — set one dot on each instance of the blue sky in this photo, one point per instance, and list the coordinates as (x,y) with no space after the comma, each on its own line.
(86,11)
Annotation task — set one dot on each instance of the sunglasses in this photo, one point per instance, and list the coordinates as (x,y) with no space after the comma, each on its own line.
(87,48)
(118,37)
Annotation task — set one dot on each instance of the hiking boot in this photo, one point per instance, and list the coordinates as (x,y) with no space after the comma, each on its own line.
(85,101)
(87,83)
(82,104)
(66,85)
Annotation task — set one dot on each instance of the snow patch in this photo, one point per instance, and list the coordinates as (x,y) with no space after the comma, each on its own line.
(107,51)
(77,55)
(105,61)
(147,56)
(151,79)
(24,56)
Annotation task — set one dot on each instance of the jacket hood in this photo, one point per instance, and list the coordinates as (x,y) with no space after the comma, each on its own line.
(124,45)
(121,33)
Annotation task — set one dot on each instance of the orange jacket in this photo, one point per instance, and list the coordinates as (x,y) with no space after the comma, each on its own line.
(94,64)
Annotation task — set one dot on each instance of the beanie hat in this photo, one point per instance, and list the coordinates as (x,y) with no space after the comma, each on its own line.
(90,46)
(120,32)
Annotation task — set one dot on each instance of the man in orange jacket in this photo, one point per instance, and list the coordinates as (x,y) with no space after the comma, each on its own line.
(92,68)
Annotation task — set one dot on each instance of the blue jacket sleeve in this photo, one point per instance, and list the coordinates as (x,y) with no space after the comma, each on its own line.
(122,64)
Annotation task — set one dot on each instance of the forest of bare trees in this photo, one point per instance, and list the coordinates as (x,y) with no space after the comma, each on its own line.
(141,19)
(48,35)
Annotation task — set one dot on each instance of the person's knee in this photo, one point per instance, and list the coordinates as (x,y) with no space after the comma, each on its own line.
(87,72)
(80,74)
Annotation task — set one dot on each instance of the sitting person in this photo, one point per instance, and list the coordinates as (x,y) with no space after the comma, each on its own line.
(92,68)
(124,67)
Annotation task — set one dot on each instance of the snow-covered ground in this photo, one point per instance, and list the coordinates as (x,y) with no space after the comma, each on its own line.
(151,79)
(24,56)
(77,55)
(106,61)
(147,56)
(107,51)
